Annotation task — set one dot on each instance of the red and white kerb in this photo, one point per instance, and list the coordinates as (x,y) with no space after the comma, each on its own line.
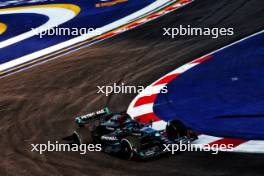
(141,108)
(147,18)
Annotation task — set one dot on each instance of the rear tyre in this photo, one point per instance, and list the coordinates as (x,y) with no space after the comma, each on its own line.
(129,145)
(176,129)
(83,136)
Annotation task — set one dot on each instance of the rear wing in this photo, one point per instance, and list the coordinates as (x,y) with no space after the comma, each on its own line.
(81,120)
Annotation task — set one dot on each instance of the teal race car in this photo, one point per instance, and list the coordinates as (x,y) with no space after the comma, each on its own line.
(125,137)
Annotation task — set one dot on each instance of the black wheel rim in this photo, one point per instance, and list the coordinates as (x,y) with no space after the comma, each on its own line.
(126,149)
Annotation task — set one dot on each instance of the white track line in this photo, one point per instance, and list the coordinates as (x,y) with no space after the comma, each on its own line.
(155,5)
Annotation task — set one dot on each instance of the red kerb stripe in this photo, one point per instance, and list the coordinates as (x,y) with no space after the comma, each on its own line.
(154,16)
(202,59)
(134,24)
(167,79)
(226,141)
(145,100)
(108,35)
(185,1)
(170,8)
(146,118)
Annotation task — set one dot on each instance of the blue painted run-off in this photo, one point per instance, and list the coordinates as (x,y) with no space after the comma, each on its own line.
(89,17)
(223,96)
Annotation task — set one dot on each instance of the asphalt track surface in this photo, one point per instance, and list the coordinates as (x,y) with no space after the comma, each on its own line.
(39,104)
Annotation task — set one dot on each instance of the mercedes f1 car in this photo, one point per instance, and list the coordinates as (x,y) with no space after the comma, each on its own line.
(119,134)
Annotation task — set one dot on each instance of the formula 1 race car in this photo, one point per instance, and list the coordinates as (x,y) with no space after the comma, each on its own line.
(119,134)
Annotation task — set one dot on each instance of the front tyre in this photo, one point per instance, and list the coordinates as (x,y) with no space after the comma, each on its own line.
(129,145)
(176,129)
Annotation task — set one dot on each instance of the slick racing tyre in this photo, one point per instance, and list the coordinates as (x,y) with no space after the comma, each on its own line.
(176,129)
(83,136)
(129,146)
